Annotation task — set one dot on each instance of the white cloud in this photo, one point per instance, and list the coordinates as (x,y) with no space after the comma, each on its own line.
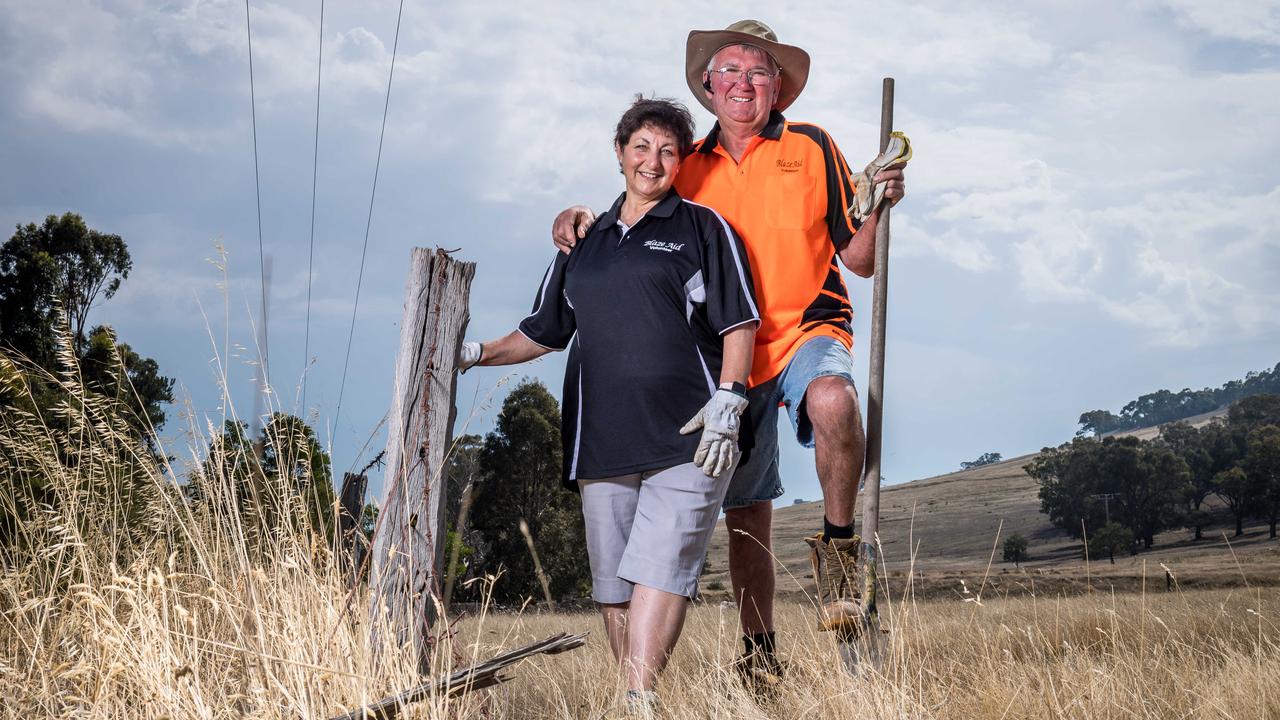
(1200,264)
(100,70)
(958,247)
(1126,179)
(1058,260)
(1183,302)
(1109,165)
(958,43)
(1077,151)
(1249,20)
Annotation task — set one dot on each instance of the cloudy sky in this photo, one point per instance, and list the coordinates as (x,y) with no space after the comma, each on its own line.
(1093,211)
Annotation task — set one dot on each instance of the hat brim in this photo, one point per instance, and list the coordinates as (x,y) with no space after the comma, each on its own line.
(702,45)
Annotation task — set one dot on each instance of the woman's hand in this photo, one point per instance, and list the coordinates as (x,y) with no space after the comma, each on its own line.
(718,420)
(468,355)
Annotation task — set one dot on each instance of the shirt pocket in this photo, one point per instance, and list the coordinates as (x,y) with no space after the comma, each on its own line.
(789,201)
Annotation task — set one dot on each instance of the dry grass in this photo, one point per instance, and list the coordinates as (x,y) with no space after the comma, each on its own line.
(128,602)
(1201,655)
(942,529)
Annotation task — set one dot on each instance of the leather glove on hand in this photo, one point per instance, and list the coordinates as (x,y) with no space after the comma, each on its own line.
(468,355)
(718,420)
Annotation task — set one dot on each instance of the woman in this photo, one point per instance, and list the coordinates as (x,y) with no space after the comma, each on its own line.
(656,308)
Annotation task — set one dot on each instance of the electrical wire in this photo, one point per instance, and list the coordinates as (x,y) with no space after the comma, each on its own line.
(311,253)
(257,186)
(369,221)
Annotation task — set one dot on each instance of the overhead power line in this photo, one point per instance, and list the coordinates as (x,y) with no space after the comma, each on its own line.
(311,252)
(257,187)
(369,221)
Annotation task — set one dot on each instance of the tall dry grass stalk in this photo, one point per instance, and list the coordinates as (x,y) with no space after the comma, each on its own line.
(124,594)
(121,597)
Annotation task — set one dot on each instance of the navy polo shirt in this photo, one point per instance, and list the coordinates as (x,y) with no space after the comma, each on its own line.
(642,311)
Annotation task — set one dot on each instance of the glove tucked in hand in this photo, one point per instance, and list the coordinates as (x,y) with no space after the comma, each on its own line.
(468,355)
(718,420)
(869,193)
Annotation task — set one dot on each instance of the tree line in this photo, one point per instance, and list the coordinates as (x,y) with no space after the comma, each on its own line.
(1120,492)
(71,393)
(987,458)
(51,275)
(514,472)
(1164,406)
(268,483)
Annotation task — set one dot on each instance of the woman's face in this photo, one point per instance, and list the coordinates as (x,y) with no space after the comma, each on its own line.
(649,162)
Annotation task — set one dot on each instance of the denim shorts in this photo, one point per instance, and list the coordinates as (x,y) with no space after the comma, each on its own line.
(757,478)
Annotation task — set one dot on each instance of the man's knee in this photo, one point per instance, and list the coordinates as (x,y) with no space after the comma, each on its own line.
(832,406)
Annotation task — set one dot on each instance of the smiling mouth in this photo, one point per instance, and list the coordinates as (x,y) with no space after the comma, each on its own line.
(741,99)
(651,176)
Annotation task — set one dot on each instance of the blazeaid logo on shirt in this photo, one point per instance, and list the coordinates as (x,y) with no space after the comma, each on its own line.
(663,246)
(790,166)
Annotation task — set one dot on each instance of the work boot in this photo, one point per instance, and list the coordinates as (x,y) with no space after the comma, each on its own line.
(760,672)
(835,572)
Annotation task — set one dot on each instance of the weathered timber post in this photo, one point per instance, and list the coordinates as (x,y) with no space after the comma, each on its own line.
(350,511)
(409,539)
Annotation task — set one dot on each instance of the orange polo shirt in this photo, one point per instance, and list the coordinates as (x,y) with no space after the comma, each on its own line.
(786,199)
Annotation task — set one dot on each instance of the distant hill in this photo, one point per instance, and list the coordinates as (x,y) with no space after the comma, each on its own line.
(1163,406)
(1150,433)
(952,521)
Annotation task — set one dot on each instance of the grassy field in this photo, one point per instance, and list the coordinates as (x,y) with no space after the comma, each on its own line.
(942,530)
(121,600)
(1207,654)
(274,641)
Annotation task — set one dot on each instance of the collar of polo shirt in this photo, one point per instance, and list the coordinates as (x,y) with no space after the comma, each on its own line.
(664,209)
(771,131)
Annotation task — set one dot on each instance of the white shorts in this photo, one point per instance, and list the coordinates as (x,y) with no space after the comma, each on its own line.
(650,529)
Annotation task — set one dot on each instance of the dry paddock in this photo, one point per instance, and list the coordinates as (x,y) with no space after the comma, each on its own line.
(1193,655)
(275,644)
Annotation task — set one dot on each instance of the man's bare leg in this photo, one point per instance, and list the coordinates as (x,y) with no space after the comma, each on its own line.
(751,564)
(831,403)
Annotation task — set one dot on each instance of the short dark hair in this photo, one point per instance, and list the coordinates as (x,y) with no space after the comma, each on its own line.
(662,113)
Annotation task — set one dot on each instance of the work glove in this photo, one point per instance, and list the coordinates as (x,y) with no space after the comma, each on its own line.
(468,355)
(868,193)
(718,420)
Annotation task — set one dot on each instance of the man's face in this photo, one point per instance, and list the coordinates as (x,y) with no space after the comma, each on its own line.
(740,101)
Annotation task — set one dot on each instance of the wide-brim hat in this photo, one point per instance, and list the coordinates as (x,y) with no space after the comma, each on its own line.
(702,45)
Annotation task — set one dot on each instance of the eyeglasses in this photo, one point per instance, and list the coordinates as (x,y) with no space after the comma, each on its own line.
(756,77)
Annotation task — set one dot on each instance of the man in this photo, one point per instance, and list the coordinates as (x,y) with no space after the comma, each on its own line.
(784,186)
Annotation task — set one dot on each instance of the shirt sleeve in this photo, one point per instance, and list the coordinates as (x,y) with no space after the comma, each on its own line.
(730,294)
(552,322)
(840,193)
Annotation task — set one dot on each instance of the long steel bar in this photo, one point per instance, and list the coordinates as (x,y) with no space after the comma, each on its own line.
(875,390)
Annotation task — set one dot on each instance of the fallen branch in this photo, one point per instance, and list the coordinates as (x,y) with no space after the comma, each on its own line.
(476,677)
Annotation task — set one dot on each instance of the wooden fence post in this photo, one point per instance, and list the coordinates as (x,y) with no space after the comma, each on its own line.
(350,511)
(409,539)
